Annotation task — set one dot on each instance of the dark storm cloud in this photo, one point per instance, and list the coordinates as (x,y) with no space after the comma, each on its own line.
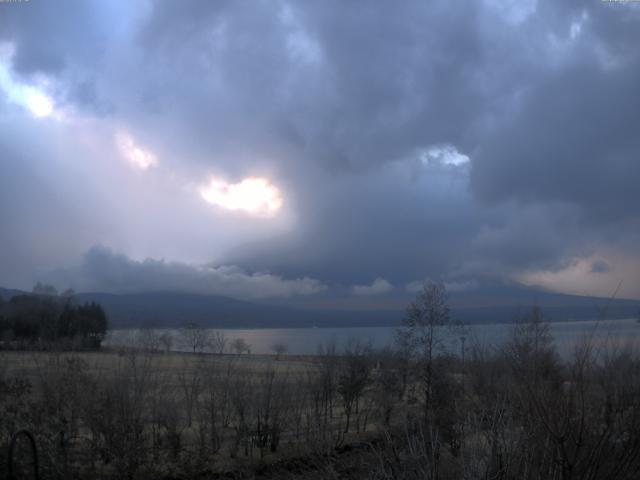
(348,86)
(337,103)
(358,223)
(50,36)
(575,140)
(573,136)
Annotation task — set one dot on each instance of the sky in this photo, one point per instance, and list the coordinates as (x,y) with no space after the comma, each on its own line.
(302,151)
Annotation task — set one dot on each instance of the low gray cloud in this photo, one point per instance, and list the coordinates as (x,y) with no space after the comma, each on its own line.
(106,271)
(378,287)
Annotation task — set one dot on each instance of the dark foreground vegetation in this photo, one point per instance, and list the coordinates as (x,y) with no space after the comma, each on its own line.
(44,321)
(420,411)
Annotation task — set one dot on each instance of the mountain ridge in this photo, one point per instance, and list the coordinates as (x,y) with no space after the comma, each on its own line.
(175,309)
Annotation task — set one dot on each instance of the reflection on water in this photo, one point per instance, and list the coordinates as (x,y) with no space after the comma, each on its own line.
(301,341)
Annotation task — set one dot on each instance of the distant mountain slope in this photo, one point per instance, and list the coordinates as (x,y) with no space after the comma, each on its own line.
(502,302)
(169,309)
(173,309)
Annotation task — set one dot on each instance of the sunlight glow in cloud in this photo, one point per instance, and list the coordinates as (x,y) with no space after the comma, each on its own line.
(37,102)
(254,195)
(27,96)
(137,156)
(602,274)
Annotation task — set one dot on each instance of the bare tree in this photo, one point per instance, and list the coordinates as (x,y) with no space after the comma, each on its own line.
(147,339)
(239,345)
(279,348)
(531,349)
(421,333)
(195,337)
(166,340)
(388,383)
(218,342)
(190,380)
(354,376)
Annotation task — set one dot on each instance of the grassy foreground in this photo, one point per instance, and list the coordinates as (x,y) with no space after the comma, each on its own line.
(512,412)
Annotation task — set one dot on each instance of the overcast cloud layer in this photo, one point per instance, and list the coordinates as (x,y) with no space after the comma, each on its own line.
(408,140)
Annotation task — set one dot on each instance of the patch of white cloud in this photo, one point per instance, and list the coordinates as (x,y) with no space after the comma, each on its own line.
(137,156)
(378,287)
(32,98)
(445,154)
(253,195)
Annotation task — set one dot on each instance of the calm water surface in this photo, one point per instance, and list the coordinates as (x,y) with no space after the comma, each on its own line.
(300,341)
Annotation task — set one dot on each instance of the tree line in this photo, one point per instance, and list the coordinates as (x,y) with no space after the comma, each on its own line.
(46,319)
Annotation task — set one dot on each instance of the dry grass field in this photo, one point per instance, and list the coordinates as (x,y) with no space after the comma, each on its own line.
(108,361)
(127,412)
(516,412)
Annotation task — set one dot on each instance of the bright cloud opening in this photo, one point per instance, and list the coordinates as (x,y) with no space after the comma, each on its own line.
(38,103)
(254,195)
(137,156)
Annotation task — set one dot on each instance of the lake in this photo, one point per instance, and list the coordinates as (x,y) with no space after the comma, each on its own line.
(302,341)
